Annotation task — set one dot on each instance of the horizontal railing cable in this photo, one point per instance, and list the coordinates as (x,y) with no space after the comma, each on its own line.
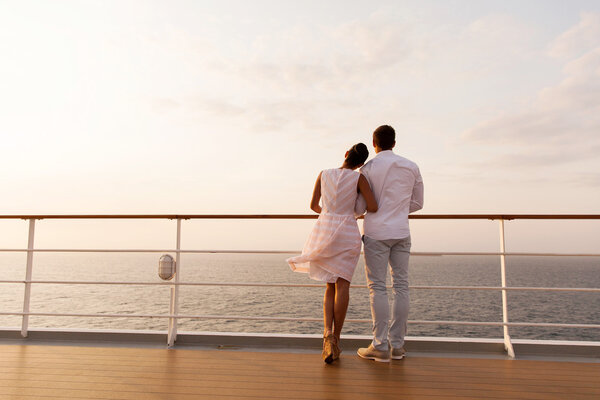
(297,285)
(210,251)
(298,319)
(294,216)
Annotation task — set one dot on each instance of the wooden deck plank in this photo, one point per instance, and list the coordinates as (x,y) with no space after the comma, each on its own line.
(319,386)
(283,359)
(150,356)
(351,369)
(150,353)
(409,371)
(274,393)
(71,372)
(377,379)
(292,361)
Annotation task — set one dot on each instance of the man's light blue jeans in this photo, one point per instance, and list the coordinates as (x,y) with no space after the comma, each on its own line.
(378,255)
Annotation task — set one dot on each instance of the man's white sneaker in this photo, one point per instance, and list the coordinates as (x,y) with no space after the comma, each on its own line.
(398,354)
(371,353)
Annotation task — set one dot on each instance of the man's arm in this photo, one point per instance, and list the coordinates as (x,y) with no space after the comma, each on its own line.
(360,207)
(416,201)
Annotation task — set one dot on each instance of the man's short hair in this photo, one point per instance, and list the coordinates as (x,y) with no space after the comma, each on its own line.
(385,137)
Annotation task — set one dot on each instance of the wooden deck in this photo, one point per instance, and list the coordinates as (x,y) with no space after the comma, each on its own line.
(69,372)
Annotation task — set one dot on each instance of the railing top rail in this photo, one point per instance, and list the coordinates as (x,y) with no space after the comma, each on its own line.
(294,216)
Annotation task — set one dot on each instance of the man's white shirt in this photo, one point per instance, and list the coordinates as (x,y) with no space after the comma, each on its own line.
(398,188)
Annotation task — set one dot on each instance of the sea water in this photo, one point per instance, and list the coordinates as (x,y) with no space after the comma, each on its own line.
(425,304)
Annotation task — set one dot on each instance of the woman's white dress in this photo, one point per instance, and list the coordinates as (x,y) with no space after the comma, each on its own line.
(333,246)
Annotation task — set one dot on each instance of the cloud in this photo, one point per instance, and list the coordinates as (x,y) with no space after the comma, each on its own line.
(350,56)
(319,77)
(506,34)
(307,77)
(581,37)
(220,108)
(586,179)
(263,115)
(164,105)
(375,61)
(475,175)
(562,123)
(316,77)
(533,157)
(374,44)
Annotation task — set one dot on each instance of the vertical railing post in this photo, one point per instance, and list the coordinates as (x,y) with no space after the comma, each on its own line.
(507,343)
(174,305)
(28,270)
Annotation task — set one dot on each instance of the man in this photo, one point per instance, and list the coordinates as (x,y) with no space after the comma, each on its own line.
(398,188)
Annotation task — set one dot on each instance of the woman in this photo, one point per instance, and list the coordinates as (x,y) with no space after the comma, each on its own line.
(333,247)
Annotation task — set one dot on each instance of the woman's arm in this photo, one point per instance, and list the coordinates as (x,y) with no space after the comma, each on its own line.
(365,189)
(316,197)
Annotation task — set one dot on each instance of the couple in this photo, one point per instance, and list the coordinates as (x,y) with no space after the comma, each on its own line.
(388,188)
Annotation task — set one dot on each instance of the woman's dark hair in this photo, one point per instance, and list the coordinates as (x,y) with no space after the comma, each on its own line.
(357,155)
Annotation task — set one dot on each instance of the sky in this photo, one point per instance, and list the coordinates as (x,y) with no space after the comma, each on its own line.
(199,107)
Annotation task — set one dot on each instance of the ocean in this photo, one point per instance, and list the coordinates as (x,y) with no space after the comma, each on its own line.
(468,305)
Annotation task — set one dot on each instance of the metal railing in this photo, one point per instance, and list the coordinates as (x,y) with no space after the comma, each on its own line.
(174,314)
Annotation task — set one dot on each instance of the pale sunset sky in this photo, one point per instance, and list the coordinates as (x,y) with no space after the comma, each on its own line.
(202,107)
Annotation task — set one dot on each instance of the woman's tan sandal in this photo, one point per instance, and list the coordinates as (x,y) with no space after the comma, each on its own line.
(328,348)
(336,350)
